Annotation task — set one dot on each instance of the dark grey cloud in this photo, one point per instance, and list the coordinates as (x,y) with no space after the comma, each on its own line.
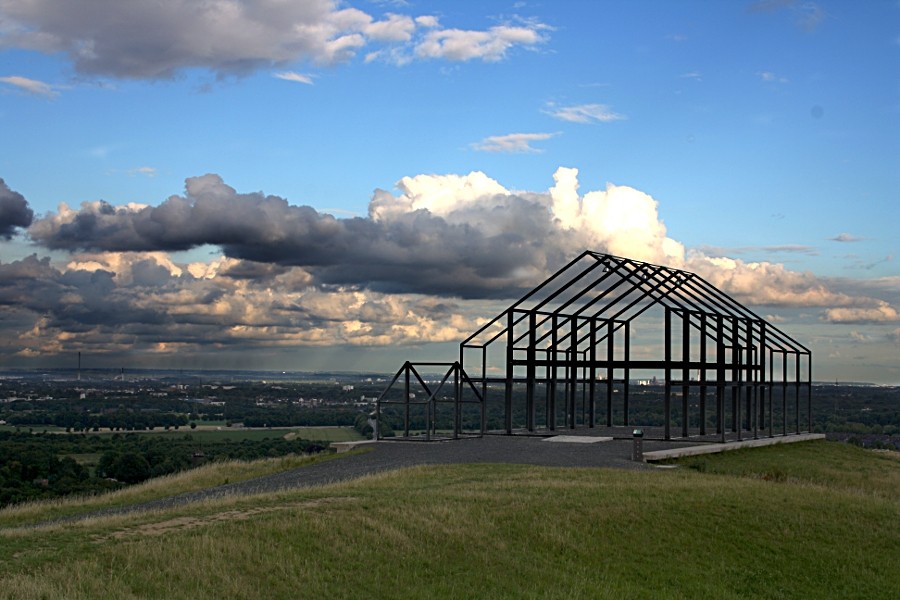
(14,211)
(253,271)
(31,283)
(74,298)
(48,310)
(151,40)
(149,273)
(137,39)
(97,300)
(134,307)
(252,225)
(412,251)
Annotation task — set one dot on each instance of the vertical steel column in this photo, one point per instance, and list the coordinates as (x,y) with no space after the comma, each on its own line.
(797,389)
(548,385)
(809,391)
(763,380)
(685,369)
(736,394)
(551,388)
(751,381)
(428,422)
(703,373)
(457,401)
(667,360)
(610,372)
(752,392)
(406,368)
(771,393)
(566,388)
(592,373)
(483,390)
(735,376)
(510,340)
(583,361)
(627,371)
(784,386)
(530,368)
(720,376)
(573,372)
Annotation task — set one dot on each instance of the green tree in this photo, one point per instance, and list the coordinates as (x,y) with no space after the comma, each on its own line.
(128,467)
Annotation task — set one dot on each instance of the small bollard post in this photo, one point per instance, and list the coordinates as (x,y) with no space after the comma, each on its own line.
(372,422)
(637,447)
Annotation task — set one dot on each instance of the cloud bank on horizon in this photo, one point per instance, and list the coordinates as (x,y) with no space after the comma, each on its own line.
(421,267)
(454,235)
(472,110)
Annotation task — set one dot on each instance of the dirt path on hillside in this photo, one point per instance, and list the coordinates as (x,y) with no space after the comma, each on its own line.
(392,455)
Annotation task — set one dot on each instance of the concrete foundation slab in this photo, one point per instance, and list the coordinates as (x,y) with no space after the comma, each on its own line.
(578,439)
(341,447)
(657,455)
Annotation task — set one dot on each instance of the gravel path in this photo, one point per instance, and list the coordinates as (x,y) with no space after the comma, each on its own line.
(391,455)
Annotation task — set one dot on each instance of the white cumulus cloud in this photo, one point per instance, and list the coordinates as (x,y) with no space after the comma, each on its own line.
(881,312)
(489,46)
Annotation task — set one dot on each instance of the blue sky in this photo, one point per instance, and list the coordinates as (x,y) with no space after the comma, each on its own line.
(759,138)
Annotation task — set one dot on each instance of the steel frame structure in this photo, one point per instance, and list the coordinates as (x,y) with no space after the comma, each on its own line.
(575,332)
(409,371)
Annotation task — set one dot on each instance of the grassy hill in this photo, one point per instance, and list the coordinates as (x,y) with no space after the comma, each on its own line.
(813,520)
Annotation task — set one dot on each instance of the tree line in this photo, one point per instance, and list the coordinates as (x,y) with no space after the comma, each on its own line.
(42,465)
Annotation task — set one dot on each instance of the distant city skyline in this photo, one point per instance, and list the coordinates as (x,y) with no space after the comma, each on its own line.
(320,185)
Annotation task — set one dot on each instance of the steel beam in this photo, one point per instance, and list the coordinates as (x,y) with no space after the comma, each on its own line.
(610,372)
(685,371)
(592,374)
(627,376)
(509,372)
(667,406)
(703,359)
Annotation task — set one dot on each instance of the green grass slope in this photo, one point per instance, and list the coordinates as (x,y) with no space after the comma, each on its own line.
(815,520)
(204,477)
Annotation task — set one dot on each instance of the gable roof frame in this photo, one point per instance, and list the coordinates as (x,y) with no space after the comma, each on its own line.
(615,291)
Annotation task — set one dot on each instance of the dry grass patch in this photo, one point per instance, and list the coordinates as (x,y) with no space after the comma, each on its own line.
(183,523)
(203,477)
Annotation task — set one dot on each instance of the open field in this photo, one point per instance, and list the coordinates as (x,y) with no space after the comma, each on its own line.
(817,520)
(314,434)
(41,428)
